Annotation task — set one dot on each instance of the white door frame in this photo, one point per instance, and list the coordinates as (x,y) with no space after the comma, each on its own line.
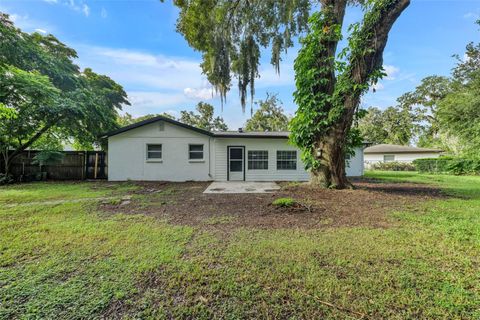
(236,176)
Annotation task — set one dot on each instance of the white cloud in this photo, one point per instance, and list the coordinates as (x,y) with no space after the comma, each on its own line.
(103,13)
(145,102)
(85,10)
(199,93)
(28,24)
(77,5)
(135,69)
(377,87)
(391,72)
(156,83)
(472,15)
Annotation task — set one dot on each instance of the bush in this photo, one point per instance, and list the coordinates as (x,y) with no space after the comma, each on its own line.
(284,202)
(393,166)
(449,165)
(5,179)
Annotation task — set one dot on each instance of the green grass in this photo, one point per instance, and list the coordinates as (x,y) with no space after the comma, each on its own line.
(70,261)
(464,186)
(283,202)
(49,191)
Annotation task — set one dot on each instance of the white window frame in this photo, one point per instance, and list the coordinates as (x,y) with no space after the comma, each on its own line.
(388,155)
(203,152)
(256,160)
(288,169)
(147,152)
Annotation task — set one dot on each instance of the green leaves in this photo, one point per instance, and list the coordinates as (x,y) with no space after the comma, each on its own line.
(43,92)
(230,34)
(393,125)
(269,116)
(204,119)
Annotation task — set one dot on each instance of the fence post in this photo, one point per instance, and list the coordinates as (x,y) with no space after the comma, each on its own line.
(96,166)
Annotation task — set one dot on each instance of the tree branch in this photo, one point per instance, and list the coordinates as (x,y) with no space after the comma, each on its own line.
(34,138)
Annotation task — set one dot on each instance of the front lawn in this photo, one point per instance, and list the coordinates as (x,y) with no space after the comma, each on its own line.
(394,249)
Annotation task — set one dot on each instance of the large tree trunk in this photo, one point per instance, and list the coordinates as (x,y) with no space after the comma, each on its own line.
(330,153)
(330,148)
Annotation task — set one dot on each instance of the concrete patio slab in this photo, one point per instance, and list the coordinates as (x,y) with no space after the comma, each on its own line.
(241,187)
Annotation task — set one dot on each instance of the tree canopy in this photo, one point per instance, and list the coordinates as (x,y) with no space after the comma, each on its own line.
(269,116)
(393,125)
(204,118)
(459,110)
(127,119)
(42,91)
(423,104)
(230,35)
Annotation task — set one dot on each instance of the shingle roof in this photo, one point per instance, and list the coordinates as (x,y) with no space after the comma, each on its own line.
(393,148)
(252,134)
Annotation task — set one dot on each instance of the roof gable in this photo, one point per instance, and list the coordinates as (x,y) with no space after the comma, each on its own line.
(153,120)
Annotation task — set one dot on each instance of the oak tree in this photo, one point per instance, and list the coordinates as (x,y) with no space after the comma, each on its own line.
(269,116)
(329,81)
(43,90)
(204,118)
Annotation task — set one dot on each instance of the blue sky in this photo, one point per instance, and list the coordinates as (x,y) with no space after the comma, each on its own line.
(135,43)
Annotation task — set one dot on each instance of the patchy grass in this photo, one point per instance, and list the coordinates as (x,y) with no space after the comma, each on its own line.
(463,186)
(284,202)
(72,261)
(48,191)
(66,261)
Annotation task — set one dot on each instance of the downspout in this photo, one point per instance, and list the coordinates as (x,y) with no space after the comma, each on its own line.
(209,158)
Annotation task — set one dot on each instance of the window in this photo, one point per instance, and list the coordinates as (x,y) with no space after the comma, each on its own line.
(154,152)
(388,158)
(235,159)
(195,151)
(286,160)
(257,160)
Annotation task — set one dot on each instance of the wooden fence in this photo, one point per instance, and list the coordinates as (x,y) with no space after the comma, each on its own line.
(76,165)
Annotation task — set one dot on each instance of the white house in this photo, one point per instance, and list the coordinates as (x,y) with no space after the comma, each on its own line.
(397,153)
(163,149)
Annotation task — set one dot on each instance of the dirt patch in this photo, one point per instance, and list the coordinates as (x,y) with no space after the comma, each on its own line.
(367,205)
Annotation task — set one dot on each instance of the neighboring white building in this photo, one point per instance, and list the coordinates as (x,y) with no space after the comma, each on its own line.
(396,153)
(162,149)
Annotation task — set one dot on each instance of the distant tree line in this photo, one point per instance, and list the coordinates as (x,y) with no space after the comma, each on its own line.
(269,116)
(442,112)
(203,118)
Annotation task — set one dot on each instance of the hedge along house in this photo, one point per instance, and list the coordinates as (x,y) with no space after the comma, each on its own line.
(397,153)
(162,149)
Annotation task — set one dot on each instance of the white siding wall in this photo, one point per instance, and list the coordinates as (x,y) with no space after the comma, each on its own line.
(127,154)
(355,164)
(371,159)
(271,145)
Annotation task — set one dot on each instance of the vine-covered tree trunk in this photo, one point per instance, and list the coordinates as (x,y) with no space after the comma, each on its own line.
(330,153)
(330,147)
(329,83)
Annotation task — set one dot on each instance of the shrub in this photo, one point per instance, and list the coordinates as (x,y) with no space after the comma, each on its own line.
(393,166)
(5,179)
(449,165)
(284,202)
